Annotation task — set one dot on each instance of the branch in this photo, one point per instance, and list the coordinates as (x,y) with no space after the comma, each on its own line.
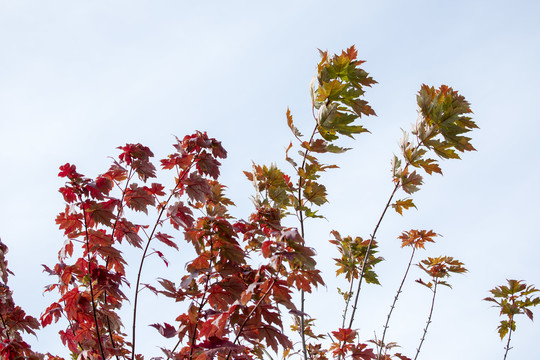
(90,280)
(180,179)
(507,347)
(394,304)
(301,219)
(435,282)
(250,314)
(366,257)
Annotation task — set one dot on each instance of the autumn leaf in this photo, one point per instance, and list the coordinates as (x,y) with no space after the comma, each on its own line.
(166,330)
(166,239)
(138,198)
(315,193)
(399,205)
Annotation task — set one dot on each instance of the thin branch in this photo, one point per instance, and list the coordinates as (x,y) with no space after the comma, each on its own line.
(347,301)
(435,282)
(87,240)
(164,206)
(372,238)
(120,208)
(300,214)
(5,327)
(250,314)
(507,347)
(394,303)
(366,256)
(203,301)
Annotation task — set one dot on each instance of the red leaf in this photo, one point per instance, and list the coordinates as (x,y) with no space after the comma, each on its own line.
(166,330)
(155,189)
(208,165)
(138,198)
(346,335)
(125,228)
(180,215)
(160,254)
(68,171)
(361,353)
(69,221)
(166,239)
(100,214)
(265,248)
(197,187)
(69,194)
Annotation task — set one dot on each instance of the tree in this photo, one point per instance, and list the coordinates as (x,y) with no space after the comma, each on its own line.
(242,283)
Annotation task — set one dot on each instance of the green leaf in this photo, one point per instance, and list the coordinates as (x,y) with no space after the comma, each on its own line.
(315,193)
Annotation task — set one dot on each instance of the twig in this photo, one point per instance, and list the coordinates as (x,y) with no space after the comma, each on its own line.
(507,347)
(435,282)
(180,179)
(394,304)
(87,239)
(366,256)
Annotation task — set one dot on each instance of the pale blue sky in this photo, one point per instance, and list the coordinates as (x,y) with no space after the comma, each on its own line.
(79,78)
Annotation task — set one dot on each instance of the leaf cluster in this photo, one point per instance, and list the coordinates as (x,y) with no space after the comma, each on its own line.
(353,253)
(515,298)
(443,121)
(439,268)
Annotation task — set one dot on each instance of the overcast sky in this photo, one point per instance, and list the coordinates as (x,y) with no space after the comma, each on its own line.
(78,79)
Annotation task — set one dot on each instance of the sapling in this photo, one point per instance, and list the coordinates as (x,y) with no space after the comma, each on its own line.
(438,268)
(514,299)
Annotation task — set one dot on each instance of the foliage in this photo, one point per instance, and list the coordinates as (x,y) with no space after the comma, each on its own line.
(242,283)
(516,298)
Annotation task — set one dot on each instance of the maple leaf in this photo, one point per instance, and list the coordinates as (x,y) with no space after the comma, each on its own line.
(429,165)
(53,312)
(99,213)
(166,239)
(410,182)
(208,165)
(180,215)
(273,337)
(293,128)
(68,171)
(138,157)
(69,221)
(127,229)
(315,193)
(155,189)
(166,330)
(197,187)
(215,344)
(417,238)
(399,205)
(68,194)
(402,357)
(345,335)
(361,352)
(138,198)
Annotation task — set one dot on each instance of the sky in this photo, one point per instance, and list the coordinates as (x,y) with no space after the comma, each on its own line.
(79,79)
